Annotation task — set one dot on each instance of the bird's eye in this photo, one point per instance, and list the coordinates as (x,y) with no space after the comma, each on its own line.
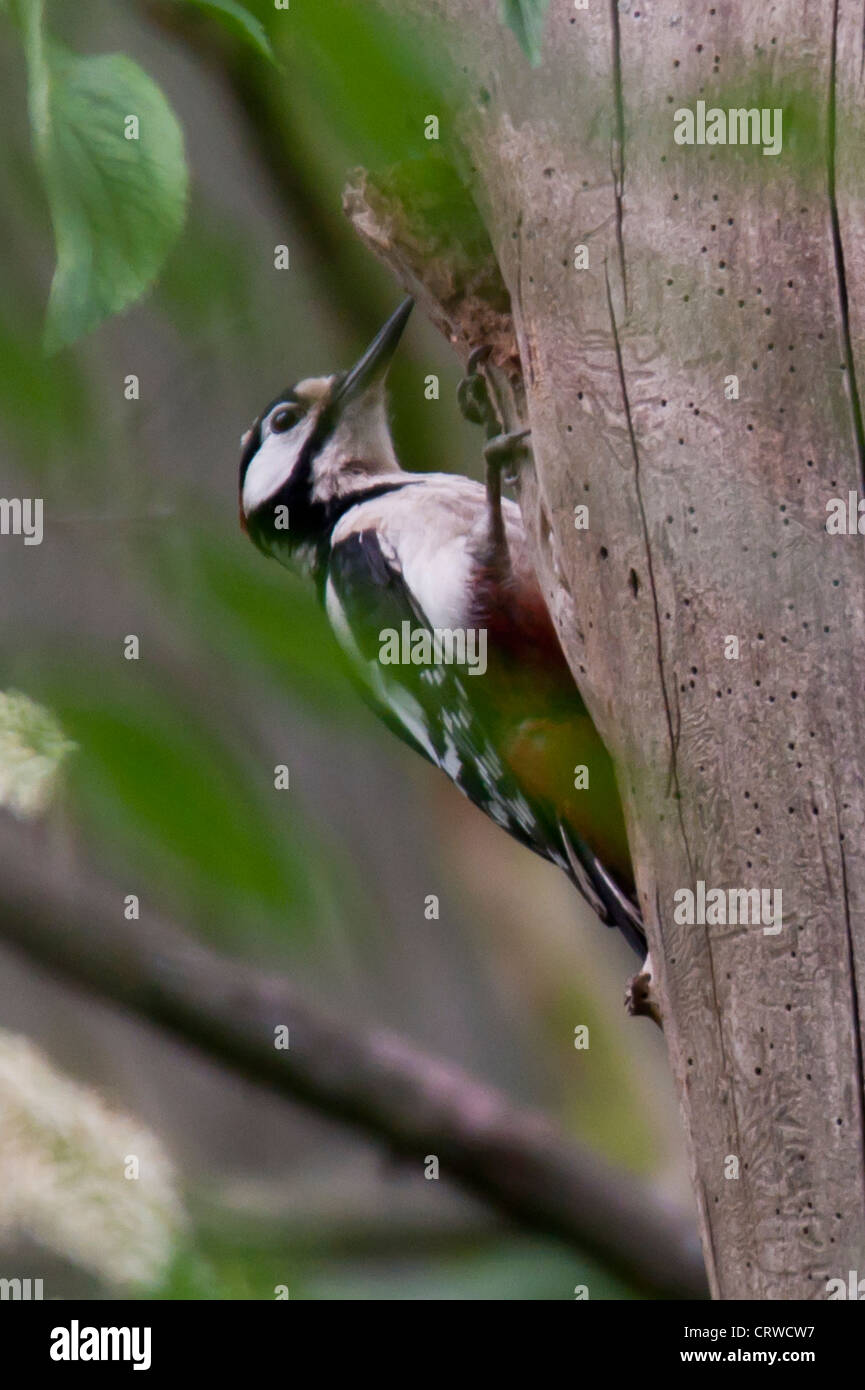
(283,419)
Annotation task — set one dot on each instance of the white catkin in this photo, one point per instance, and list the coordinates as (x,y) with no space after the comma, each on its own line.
(33,748)
(63,1156)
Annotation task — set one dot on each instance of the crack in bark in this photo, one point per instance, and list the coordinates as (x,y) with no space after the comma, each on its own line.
(530,352)
(626,404)
(854,990)
(838,250)
(617,153)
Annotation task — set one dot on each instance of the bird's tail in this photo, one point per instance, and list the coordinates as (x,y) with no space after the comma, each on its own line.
(601,891)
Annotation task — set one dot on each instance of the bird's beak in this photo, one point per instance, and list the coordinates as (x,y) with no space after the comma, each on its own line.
(373,366)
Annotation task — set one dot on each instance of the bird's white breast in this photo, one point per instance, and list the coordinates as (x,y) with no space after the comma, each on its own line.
(432,527)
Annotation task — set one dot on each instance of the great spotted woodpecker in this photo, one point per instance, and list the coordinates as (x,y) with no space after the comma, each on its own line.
(393,552)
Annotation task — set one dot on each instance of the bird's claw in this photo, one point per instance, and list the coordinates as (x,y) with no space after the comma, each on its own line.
(477,356)
(641,999)
(507,451)
(473,393)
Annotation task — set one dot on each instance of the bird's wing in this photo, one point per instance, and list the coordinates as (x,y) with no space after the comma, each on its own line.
(428,705)
(446,714)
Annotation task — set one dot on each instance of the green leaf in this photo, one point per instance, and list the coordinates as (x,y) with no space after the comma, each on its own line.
(117,203)
(239,18)
(526,19)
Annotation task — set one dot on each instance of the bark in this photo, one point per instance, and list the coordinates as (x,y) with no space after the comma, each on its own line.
(707,521)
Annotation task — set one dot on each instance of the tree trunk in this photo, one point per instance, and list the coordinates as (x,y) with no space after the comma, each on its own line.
(707,521)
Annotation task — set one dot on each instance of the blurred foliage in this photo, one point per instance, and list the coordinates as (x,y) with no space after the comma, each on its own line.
(151,760)
(171,787)
(526,19)
(256,613)
(358,73)
(490,1268)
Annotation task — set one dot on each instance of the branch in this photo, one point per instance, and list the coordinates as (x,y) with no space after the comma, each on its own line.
(420,221)
(71,922)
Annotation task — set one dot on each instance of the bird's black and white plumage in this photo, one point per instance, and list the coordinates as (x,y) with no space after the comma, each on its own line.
(393,552)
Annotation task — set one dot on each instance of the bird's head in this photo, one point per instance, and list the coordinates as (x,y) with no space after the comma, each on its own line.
(315,448)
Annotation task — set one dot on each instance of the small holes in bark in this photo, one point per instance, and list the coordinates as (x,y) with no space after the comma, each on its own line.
(634,580)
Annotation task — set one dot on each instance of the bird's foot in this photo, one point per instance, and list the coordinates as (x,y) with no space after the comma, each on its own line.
(474,395)
(505,453)
(640,997)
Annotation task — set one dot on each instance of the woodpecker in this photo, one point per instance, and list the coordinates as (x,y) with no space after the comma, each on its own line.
(396,552)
